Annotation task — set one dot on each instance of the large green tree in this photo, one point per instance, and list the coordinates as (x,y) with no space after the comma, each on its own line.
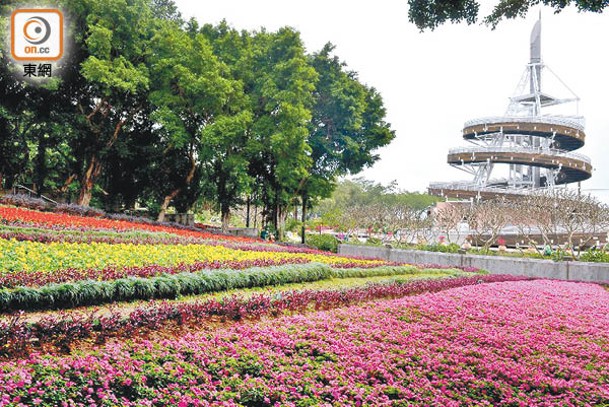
(226,179)
(111,39)
(428,14)
(280,85)
(147,108)
(346,129)
(190,91)
(33,129)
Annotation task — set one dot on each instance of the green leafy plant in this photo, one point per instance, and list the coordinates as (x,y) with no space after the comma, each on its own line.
(374,241)
(595,255)
(449,248)
(323,242)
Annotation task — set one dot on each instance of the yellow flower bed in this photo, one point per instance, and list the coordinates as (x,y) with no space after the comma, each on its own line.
(32,256)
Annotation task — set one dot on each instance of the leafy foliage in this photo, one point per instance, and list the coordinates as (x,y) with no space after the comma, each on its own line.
(431,14)
(324,242)
(150,109)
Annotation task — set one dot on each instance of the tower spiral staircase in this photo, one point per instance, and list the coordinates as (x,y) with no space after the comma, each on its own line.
(531,148)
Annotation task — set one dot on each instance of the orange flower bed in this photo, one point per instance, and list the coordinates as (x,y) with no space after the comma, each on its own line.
(12,214)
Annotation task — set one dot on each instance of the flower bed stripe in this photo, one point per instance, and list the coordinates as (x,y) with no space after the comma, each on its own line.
(44,235)
(91,292)
(60,234)
(42,278)
(515,344)
(27,216)
(18,336)
(32,256)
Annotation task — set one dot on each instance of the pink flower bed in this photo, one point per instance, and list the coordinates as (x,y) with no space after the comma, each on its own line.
(524,343)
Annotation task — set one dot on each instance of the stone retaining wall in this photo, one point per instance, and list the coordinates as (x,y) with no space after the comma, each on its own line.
(564,270)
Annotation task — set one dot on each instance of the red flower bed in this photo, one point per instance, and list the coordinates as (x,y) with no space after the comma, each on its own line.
(42,278)
(20,215)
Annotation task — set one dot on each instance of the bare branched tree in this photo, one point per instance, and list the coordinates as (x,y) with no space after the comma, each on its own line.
(487,219)
(531,217)
(560,216)
(449,218)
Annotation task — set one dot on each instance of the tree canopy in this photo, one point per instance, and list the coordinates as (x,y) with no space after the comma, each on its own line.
(426,14)
(148,108)
(361,203)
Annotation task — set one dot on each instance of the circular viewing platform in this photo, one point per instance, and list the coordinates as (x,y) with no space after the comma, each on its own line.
(572,167)
(459,190)
(568,133)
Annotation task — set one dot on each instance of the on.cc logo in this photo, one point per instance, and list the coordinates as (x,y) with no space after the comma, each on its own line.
(36,30)
(37,34)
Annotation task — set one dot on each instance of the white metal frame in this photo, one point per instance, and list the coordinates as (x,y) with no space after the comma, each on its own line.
(526,106)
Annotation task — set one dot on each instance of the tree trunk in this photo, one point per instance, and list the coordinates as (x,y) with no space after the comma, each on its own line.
(88,180)
(304,212)
(10,181)
(275,211)
(247,216)
(255,216)
(165,204)
(225,218)
(175,192)
(41,167)
(95,164)
(282,215)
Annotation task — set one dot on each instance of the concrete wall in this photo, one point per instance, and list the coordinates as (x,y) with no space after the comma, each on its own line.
(565,270)
(247,232)
(187,219)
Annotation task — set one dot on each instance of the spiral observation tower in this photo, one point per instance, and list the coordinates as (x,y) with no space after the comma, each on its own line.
(527,149)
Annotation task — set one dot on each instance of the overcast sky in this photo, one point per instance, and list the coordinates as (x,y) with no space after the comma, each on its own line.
(432,82)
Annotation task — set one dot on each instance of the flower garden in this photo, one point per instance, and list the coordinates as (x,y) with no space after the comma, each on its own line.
(115,312)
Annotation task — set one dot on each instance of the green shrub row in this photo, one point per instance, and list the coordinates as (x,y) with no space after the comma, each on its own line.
(595,255)
(167,286)
(90,292)
(375,272)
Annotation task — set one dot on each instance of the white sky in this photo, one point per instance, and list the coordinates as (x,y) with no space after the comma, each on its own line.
(432,82)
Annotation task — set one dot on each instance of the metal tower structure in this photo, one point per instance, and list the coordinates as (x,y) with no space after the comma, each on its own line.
(534,148)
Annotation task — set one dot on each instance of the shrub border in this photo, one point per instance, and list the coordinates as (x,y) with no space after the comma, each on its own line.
(172,286)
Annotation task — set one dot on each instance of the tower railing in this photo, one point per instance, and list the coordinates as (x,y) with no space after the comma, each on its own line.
(574,122)
(468,186)
(520,149)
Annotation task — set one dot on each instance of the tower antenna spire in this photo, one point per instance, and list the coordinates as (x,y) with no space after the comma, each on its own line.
(535,62)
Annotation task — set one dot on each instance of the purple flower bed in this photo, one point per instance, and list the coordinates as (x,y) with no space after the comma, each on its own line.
(87,237)
(520,343)
(64,328)
(24,201)
(74,209)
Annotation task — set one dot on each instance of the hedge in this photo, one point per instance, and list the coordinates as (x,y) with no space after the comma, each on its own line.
(92,292)
(171,286)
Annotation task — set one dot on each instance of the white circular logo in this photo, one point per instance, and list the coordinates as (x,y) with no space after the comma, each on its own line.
(36,30)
